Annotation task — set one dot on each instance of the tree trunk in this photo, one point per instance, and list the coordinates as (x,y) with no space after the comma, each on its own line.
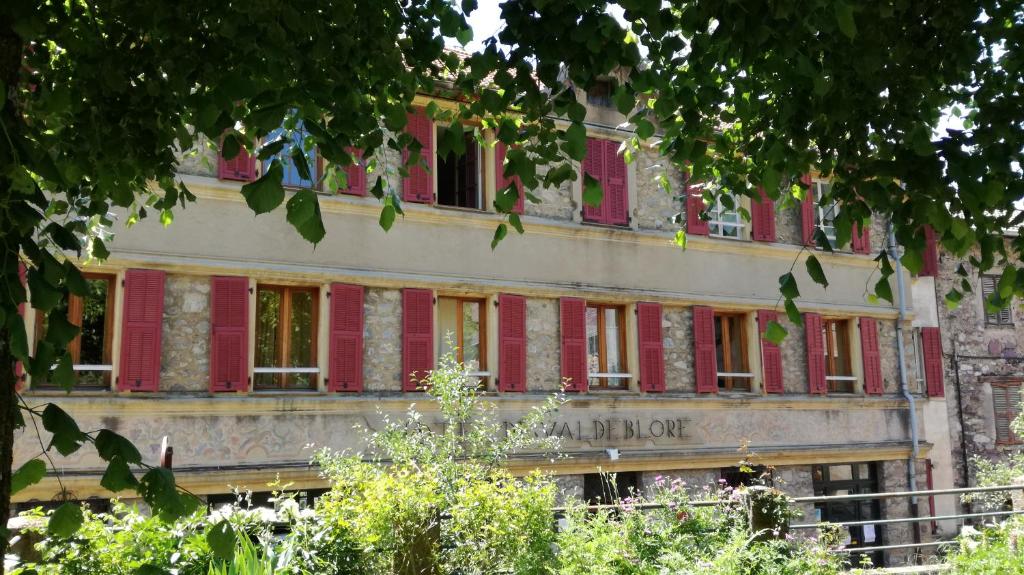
(8,412)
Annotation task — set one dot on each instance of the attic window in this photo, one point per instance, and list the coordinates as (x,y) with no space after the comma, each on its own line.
(600,94)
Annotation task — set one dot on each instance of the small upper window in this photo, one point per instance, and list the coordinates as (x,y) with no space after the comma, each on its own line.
(458,177)
(600,94)
(286,337)
(838,366)
(462,328)
(1006,403)
(825,216)
(731,352)
(988,289)
(606,347)
(92,350)
(725,222)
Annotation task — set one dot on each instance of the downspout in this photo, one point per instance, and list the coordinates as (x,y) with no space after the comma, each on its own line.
(894,256)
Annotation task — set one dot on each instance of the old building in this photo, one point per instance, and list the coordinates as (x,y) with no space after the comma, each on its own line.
(243,344)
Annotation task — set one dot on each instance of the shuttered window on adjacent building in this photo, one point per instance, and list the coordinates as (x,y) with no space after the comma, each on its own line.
(1006,399)
(988,288)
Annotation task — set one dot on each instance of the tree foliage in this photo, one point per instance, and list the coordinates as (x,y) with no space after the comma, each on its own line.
(101,98)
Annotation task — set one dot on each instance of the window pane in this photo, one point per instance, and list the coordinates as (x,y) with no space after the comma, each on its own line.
(471,335)
(738,359)
(593,343)
(268,318)
(842,349)
(300,345)
(447,325)
(612,329)
(719,344)
(94,323)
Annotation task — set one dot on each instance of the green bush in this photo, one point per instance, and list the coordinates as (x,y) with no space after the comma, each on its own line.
(993,549)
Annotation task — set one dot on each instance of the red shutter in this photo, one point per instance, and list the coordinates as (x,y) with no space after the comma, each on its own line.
(931,253)
(345,363)
(419,186)
(706,362)
(511,343)
(503,182)
(573,313)
(652,347)
(808,207)
(872,359)
(771,355)
(141,325)
(229,334)
(762,217)
(355,175)
(861,241)
(695,226)
(931,343)
(815,354)
(594,164)
(417,337)
(242,167)
(616,186)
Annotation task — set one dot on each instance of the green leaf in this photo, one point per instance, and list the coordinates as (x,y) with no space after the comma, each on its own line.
(793,313)
(65,521)
(99,249)
(221,538)
(624,101)
(67,437)
(775,333)
(821,240)
(64,374)
(516,223)
(883,290)
(576,141)
(304,214)
(953,299)
(844,16)
(593,193)
(499,234)
(266,193)
(110,445)
(158,489)
(118,476)
(30,473)
(814,270)
(787,286)
(60,331)
(680,239)
(1007,282)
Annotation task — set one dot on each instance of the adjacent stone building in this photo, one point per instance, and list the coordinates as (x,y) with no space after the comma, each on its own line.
(243,345)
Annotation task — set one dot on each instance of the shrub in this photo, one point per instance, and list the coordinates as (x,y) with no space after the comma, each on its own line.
(993,549)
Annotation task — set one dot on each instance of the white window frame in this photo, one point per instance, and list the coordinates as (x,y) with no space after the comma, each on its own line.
(716,212)
(820,211)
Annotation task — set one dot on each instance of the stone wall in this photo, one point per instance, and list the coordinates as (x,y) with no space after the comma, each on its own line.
(555,204)
(677,336)
(653,205)
(794,358)
(201,160)
(893,477)
(382,338)
(185,358)
(543,360)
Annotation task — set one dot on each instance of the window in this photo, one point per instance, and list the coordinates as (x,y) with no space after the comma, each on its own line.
(606,347)
(747,475)
(462,324)
(850,479)
(286,334)
(610,488)
(1006,401)
(838,367)
(918,359)
(458,177)
(600,94)
(725,222)
(731,352)
(825,216)
(92,350)
(299,139)
(988,289)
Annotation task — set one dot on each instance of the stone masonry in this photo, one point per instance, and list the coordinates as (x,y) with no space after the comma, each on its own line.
(186,334)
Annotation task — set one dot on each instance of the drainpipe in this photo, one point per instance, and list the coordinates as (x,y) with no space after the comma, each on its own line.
(894,255)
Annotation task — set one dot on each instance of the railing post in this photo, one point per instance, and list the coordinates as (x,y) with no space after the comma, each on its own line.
(1017,495)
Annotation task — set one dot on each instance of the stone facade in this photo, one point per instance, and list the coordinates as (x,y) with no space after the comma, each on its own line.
(655,206)
(543,363)
(185,363)
(677,337)
(556,203)
(382,333)
(201,160)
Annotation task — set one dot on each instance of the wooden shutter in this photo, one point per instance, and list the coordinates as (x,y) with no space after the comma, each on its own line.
(141,325)
(762,217)
(1006,399)
(652,347)
(511,343)
(616,186)
(989,286)
(503,182)
(861,240)
(815,354)
(931,350)
(417,337)
(871,359)
(931,253)
(419,186)
(808,209)
(573,313)
(695,226)
(355,175)
(594,165)
(706,363)
(242,167)
(771,354)
(345,357)
(229,337)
